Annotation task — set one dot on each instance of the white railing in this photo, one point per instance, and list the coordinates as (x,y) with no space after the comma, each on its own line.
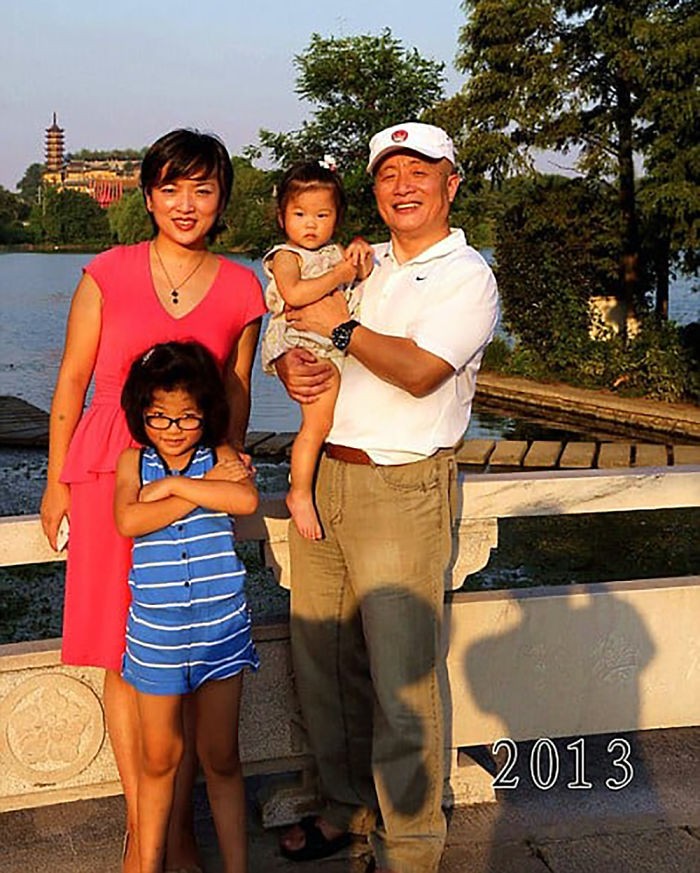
(522,664)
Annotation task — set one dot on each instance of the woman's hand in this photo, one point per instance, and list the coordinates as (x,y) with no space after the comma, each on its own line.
(54,505)
(303,375)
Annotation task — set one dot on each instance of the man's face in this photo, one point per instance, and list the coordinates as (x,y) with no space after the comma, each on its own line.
(414,195)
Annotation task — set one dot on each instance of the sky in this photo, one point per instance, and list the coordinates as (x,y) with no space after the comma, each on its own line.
(120,74)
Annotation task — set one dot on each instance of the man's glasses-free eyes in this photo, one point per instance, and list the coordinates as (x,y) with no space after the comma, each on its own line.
(183,422)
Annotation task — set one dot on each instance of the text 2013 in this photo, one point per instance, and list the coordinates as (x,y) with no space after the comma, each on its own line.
(544,764)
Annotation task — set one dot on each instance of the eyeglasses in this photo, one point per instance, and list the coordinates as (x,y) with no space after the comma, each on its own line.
(184,422)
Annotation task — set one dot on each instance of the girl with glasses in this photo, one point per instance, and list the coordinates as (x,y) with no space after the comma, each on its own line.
(188,630)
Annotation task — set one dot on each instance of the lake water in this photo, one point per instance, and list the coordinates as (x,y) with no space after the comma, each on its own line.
(35,294)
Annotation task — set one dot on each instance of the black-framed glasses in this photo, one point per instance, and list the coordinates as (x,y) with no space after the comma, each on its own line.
(158,421)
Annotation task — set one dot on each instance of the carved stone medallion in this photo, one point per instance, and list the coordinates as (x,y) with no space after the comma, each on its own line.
(51,728)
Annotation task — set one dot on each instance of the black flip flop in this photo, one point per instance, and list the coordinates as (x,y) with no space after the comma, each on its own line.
(316,846)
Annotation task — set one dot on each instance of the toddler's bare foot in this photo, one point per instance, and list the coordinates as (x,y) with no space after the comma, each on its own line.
(301,506)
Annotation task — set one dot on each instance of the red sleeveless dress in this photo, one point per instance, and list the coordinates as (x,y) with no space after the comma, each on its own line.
(133,319)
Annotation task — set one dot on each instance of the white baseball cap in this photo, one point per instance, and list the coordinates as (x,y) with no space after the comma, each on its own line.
(426,139)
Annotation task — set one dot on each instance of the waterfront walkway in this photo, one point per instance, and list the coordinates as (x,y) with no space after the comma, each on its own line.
(650,826)
(635,416)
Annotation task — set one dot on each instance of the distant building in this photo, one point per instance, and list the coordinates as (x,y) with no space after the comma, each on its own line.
(54,147)
(105,179)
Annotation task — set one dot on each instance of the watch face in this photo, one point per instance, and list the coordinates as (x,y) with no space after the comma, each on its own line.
(340,336)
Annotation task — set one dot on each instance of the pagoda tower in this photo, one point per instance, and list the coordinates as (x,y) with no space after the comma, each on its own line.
(54,147)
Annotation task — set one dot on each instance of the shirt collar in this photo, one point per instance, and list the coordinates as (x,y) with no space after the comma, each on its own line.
(453,241)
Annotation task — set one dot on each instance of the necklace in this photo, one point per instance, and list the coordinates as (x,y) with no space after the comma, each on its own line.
(173,287)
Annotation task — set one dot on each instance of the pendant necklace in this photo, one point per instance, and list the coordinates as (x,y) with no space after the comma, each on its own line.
(173,287)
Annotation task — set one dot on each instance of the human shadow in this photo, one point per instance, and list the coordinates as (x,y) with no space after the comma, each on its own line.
(558,672)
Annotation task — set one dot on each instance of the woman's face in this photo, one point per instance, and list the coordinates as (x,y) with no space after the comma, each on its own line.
(185,209)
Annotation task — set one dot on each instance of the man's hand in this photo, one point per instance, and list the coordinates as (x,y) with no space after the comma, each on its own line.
(320,317)
(303,375)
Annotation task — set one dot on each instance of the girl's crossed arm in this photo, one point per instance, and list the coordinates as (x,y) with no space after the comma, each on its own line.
(300,292)
(227,487)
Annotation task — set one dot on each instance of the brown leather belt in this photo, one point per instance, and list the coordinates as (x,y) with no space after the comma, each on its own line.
(347,454)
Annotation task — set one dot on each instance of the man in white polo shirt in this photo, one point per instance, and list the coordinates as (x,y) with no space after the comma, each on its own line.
(367,599)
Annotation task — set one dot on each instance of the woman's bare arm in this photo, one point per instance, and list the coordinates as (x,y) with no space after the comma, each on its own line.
(77,365)
(237,378)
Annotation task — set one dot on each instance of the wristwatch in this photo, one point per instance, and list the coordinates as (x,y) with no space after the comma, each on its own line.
(340,335)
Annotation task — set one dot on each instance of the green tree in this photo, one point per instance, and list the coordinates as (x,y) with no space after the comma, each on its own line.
(13,211)
(128,219)
(30,183)
(669,193)
(550,262)
(116,154)
(564,74)
(69,218)
(250,219)
(356,86)
(556,249)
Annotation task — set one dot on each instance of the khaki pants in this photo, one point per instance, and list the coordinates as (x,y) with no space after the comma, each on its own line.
(367,605)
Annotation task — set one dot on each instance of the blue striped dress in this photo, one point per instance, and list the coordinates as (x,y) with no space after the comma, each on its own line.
(188,620)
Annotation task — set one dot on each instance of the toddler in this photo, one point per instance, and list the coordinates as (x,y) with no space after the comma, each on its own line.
(309,265)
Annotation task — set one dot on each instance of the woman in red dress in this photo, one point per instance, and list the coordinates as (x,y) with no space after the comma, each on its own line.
(130,298)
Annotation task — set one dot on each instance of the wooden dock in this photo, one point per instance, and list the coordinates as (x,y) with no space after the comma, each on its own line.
(25,426)
(22,425)
(512,455)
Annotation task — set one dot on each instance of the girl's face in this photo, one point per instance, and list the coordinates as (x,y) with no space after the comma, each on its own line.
(309,218)
(173,423)
(185,209)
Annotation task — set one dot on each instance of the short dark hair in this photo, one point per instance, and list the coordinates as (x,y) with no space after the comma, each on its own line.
(186,153)
(306,176)
(189,366)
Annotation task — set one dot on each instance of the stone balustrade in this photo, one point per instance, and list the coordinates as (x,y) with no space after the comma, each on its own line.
(523,664)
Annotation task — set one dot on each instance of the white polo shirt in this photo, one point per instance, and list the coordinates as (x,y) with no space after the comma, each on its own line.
(445,300)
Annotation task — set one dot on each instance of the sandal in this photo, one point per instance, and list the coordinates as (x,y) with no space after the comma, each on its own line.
(316,845)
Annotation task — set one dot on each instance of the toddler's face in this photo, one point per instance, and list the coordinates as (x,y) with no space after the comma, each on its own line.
(309,218)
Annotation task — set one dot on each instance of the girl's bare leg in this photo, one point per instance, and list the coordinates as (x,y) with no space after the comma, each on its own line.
(161,751)
(218,705)
(181,849)
(316,421)
(121,715)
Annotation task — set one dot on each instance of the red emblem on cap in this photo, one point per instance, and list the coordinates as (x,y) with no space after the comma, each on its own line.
(399,135)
